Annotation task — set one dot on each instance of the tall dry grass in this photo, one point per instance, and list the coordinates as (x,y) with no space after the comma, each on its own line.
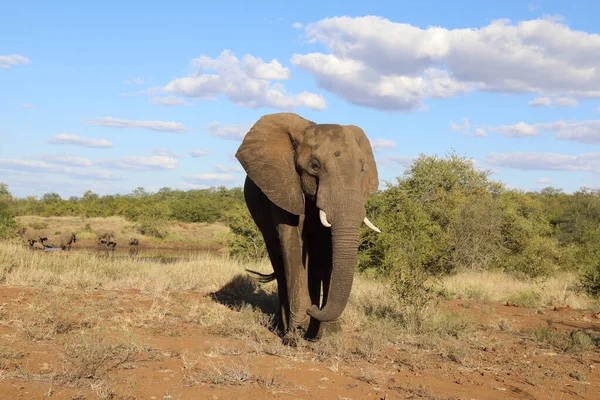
(211,272)
(559,290)
(90,270)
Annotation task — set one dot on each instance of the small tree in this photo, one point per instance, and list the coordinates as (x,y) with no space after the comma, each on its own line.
(245,239)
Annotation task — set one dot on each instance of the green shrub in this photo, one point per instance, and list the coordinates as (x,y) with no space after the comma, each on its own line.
(245,239)
(152,221)
(8,225)
(590,280)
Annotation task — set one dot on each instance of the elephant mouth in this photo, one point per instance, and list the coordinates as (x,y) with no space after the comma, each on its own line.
(325,223)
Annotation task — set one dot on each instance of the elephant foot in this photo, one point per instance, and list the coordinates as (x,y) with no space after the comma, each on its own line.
(318,329)
(293,337)
(330,328)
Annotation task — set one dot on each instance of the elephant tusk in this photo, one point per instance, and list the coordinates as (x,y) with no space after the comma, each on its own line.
(323,218)
(370,225)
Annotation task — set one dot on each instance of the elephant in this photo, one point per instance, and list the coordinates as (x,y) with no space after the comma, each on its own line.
(109,244)
(33,236)
(102,235)
(134,244)
(306,187)
(67,239)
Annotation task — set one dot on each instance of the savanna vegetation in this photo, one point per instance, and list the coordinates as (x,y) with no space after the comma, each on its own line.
(441,217)
(456,246)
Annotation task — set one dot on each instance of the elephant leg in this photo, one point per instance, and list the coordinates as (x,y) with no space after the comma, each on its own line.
(296,274)
(259,206)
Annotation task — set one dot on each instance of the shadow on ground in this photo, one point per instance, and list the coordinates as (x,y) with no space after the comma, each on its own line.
(242,289)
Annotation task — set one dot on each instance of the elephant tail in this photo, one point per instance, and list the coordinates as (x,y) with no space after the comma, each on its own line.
(262,278)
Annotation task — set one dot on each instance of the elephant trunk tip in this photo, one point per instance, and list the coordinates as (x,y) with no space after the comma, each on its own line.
(322,315)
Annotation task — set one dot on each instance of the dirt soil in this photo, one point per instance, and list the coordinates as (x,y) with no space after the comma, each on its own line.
(161,351)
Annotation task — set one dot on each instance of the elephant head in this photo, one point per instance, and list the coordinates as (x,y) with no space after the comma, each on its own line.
(294,160)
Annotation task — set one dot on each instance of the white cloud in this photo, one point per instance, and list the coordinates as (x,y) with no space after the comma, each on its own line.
(586,131)
(540,102)
(374,62)
(566,102)
(517,130)
(150,92)
(380,144)
(297,25)
(40,167)
(227,131)
(195,153)
(400,160)
(66,160)
(161,126)
(169,101)
(272,71)
(140,163)
(597,109)
(465,129)
(167,153)
(227,168)
(136,81)
(578,131)
(544,161)
(26,105)
(543,181)
(75,140)
(211,178)
(560,102)
(6,62)
(246,83)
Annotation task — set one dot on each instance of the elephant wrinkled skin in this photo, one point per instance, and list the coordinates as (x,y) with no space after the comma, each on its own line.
(306,189)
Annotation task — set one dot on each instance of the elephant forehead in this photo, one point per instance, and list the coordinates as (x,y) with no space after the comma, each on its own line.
(322,135)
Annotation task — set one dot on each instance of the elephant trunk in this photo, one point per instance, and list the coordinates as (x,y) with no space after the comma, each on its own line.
(344,238)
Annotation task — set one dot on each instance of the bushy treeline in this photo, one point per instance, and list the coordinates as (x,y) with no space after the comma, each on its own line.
(203,205)
(443,215)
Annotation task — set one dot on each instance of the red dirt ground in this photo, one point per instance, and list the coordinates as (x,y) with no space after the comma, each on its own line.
(495,363)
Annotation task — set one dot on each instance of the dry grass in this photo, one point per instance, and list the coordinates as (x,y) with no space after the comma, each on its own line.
(89,357)
(213,296)
(83,270)
(48,316)
(560,290)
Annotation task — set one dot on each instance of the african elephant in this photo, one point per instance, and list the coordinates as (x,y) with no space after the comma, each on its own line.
(134,244)
(109,243)
(102,235)
(306,188)
(67,239)
(33,236)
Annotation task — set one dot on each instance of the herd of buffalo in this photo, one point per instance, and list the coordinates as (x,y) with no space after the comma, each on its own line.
(105,239)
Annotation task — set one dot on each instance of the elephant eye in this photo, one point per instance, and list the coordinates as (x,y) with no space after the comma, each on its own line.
(315,165)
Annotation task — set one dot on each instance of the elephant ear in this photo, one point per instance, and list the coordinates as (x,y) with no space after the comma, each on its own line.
(371,183)
(267,154)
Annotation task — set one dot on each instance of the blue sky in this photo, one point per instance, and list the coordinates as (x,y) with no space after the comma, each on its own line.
(109,96)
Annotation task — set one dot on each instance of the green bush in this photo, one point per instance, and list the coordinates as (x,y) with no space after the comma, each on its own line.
(152,221)
(245,240)
(8,225)
(590,281)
